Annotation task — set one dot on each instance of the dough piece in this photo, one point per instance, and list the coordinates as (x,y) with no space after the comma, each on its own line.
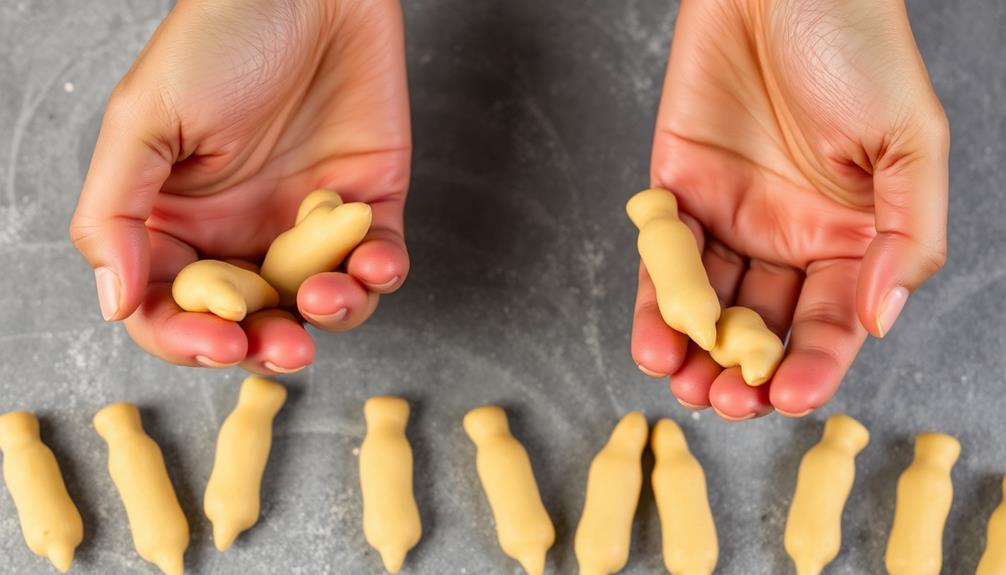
(668,249)
(160,530)
(390,515)
(925,494)
(743,339)
(232,494)
(604,534)
(523,526)
(325,232)
(223,289)
(827,472)
(994,559)
(679,488)
(50,522)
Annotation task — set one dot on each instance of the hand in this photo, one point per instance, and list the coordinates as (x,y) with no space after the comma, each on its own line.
(234,111)
(809,155)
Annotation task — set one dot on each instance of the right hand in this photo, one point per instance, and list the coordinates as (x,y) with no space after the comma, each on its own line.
(234,111)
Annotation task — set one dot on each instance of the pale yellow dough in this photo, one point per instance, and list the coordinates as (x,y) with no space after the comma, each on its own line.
(325,232)
(994,559)
(523,526)
(160,530)
(391,522)
(232,495)
(223,289)
(50,522)
(671,255)
(679,488)
(925,494)
(824,481)
(604,534)
(743,339)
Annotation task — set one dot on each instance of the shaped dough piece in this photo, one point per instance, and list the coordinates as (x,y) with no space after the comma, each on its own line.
(223,289)
(390,515)
(679,488)
(925,494)
(604,534)
(325,232)
(160,530)
(994,559)
(743,339)
(50,522)
(232,494)
(827,472)
(668,249)
(523,526)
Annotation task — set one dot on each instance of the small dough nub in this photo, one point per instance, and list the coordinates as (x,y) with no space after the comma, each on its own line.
(223,289)
(743,339)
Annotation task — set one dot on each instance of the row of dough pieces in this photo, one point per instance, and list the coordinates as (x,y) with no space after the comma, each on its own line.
(53,528)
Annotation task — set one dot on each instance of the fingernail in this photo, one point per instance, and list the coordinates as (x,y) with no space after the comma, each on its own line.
(730,418)
(794,415)
(205,361)
(385,285)
(890,309)
(332,317)
(273,367)
(108,291)
(691,406)
(649,372)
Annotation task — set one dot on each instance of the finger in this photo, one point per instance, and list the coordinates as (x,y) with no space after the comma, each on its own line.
(657,349)
(381,261)
(772,291)
(161,328)
(824,340)
(335,301)
(132,158)
(735,400)
(277,343)
(910,193)
(690,384)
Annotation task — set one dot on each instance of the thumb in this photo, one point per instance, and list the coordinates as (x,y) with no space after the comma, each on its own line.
(132,159)
(910,188)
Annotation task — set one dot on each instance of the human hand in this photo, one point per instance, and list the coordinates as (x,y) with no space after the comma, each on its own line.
(234,111)
(809,154)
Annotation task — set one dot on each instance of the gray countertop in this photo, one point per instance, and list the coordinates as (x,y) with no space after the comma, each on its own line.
(532,127)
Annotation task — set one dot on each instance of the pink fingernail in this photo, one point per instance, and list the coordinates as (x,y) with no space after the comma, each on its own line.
(385,285)
(273,367)
(332,317)
(649,372)
(890,309)
(205,361)
(108,291)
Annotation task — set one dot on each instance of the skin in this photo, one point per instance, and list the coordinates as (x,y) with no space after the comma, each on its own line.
(809,155)
(234,111)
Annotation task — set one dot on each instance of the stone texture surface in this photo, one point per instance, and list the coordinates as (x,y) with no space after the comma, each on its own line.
(532,122)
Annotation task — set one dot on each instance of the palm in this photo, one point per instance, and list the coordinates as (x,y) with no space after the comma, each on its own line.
(777,118)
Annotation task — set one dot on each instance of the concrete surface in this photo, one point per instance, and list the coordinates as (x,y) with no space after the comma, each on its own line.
(532,123)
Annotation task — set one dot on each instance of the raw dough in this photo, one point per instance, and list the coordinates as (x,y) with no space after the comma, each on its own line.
(604,534)
(827,472)
(232,494)
(523,526)
(994,559)
(925,494)
(325,232)
(223,289)
(390,516)
(50,522)
(160,530)
(743,339)
(668,249)
(679,488)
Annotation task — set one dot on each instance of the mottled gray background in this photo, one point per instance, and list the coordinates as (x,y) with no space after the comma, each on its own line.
(533,123)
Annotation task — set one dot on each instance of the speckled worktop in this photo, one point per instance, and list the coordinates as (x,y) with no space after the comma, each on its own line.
(532,126)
